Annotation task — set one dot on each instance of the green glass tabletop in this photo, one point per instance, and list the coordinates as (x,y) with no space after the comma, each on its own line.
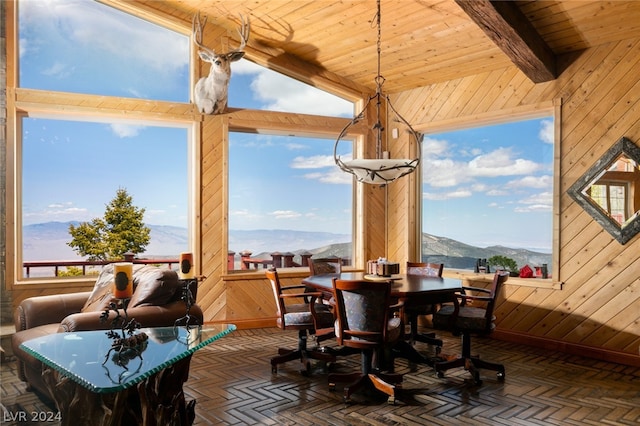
(87,357)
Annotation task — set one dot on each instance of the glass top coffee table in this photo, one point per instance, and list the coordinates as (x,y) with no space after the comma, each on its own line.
(85,362)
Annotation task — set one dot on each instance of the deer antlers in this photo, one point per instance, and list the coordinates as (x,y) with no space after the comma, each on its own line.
(198,25)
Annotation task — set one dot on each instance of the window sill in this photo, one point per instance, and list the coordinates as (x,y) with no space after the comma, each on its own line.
(76,283)
(467,275)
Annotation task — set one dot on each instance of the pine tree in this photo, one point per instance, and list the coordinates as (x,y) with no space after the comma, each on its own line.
(121,230)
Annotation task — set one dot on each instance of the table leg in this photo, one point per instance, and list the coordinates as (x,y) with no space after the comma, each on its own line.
(162,397)
(78,405)
(403,349)
(157,400)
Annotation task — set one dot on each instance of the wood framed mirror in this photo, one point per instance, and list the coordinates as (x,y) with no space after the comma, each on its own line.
(610,190)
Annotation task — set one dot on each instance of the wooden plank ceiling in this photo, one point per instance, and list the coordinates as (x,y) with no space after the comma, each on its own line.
(423,41)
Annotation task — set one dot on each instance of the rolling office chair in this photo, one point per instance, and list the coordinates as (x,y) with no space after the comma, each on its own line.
(464,319)
(305,317)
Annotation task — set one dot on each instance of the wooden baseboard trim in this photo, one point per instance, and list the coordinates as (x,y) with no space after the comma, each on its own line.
(569,348)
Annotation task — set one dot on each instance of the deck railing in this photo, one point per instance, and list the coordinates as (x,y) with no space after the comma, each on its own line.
(84,264)
(278,260)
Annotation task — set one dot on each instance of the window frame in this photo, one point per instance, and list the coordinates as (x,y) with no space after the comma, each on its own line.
(14,242)
(322,127)
(544,109)
(23,102)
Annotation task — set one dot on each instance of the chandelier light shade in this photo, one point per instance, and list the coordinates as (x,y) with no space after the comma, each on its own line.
(380,170)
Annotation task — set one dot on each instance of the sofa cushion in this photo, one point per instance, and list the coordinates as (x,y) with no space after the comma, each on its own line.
(102,293)
(153,286)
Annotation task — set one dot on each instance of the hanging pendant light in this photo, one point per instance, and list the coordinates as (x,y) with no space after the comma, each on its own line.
(382,169)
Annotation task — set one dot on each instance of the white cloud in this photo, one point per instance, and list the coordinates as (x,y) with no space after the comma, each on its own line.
(541,202)
(444,172)
(58,70)
(244,214)
(282,93)
(24,47)
(501,163)
(125,130)
(546,133)
(462,193)
(332,176)
(57,212)
(285,214)
(545,181)
(244,66)
(533,208)
(296,146)
(313,162)
(332,173)
(87,23)
(434,147)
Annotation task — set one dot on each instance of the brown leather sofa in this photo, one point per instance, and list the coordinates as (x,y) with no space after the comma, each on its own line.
(156,302)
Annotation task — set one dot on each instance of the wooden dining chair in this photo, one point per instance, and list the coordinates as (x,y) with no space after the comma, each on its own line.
(325,265)
(413,311)
(365,321)
(306,317)
(471,314)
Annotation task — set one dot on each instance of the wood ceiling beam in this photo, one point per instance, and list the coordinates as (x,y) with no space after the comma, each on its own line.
(510,30)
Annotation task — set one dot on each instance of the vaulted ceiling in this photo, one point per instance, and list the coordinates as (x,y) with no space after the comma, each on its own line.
(423,41)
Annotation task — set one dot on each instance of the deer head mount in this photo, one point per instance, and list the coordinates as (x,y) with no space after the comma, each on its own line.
(211,92)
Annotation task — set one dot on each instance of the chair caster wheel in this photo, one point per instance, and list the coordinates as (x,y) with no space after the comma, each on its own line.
(501,376)
(439,374)
(274,369)
(332,387)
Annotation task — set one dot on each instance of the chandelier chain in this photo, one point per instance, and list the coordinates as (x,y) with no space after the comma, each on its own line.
(382,169)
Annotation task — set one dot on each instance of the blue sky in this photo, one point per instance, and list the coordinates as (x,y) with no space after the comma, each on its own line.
(483,186)
(491,185)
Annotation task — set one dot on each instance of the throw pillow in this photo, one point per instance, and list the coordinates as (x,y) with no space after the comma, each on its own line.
(153,286)
(102,293)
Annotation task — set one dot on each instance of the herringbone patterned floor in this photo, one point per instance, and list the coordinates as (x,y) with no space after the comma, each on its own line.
(232,382)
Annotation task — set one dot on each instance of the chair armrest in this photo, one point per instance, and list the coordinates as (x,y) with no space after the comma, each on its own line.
(147,316)
(468,298)
(293,287)
(476,289)
(296,287)
(41,310)
(286,295)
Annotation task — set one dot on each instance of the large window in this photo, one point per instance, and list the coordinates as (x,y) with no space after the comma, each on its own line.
(75,154)
(72,169)
(488,191)
(256,87)
(108,107)
(287,195)
(84,46)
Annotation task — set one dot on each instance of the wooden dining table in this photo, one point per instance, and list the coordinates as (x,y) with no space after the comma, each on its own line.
(411,290)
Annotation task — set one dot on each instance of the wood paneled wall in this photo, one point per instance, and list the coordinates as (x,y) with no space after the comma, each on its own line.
(599,304)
